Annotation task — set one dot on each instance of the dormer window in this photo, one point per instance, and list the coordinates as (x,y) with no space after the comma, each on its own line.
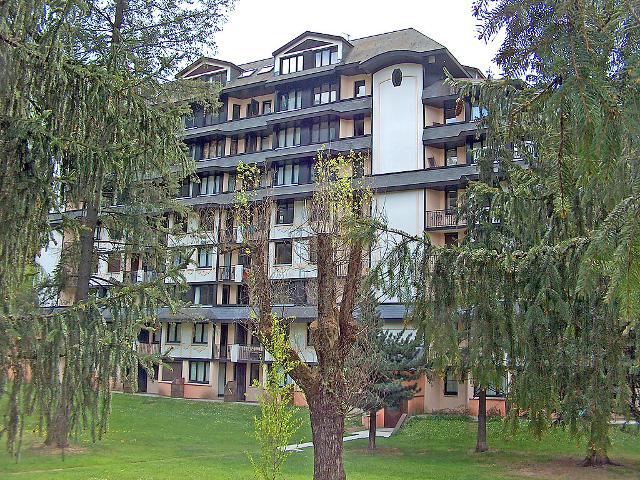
(328,56)
(291,64)
(217,77)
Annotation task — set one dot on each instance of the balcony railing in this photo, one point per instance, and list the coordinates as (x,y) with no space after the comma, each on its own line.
(231,273)
(443,219)
(231,235)
(148,348)
(245,353)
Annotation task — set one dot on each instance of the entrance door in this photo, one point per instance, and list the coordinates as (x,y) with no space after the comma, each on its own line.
(222,378)
(224,334)
(241,380)
(142,379)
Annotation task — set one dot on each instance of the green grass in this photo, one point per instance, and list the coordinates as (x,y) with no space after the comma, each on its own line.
(160,438)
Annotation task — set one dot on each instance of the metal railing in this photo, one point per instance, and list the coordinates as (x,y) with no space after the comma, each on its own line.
(245,353)
(443,219)
(231,273)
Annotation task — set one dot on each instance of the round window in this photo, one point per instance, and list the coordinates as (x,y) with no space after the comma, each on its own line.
(396,77)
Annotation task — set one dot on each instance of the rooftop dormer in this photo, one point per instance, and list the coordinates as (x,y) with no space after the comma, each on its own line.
(310,50)
(211,70)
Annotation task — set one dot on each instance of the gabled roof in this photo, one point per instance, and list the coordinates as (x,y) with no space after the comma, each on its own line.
(203,62)
(302,36)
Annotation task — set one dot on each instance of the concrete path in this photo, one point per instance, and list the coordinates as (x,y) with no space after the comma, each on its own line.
(363,434)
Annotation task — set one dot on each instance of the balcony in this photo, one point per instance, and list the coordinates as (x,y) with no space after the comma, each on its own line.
(148,348)
(245,353)
(352,106)
(231,273)
(231,235)
(438,135)
(443,219)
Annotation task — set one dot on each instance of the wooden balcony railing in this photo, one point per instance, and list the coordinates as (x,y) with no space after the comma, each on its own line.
(443,219)
(148,348)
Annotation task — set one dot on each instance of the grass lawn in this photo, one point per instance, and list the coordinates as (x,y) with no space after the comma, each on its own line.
(161,438)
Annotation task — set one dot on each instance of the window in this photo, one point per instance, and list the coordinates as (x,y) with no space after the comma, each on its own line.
(325,93)
(204,295)
(284,212)
(254,374)
(155,336)
(451,200)
(309,336)
(324,130)
(325,57)
(478,112)
(286,174)
(359,88)
(253,108)
(265,142)
(199,333)
(250,143)
(171,371)
(290,101)
(210,184)
(284,252)
(218,77)
(291,65)
(243,295)
(185,188)
(313,251)
(358,126)
(199,372)
(266,107)
(265,69)
(450,383)
(289,137)
(248,73)
(474,151)
(233,150)
(451,157)
(205,257)
(493,391)
(213,149)
(226,294)
(235,112)
(113,262)
(231,182)
(450,113)
(451,238)
(173,332)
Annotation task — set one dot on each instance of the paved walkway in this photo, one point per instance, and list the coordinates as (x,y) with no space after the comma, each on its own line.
(364,434)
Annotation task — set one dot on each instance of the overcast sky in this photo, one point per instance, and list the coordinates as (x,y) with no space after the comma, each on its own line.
(257,27)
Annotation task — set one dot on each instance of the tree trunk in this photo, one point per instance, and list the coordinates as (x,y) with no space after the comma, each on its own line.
(372,429)
(59,427)
(327,427)
(596,447)
(481,440)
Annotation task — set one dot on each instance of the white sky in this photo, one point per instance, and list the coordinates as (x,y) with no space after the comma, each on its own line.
(258,27)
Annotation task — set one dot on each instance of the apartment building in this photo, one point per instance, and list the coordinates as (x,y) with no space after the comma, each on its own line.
(385,95)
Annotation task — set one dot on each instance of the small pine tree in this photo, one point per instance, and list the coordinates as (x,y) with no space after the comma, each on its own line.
(391,360)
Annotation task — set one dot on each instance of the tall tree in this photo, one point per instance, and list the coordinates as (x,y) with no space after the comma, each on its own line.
(559,179)
(338,229)
(88,118)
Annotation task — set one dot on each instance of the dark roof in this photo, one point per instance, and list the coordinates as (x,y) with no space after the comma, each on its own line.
(408,39)
(307,34)
(364,49)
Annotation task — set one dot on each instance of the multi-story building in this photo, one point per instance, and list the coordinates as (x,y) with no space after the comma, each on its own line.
(385,95)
